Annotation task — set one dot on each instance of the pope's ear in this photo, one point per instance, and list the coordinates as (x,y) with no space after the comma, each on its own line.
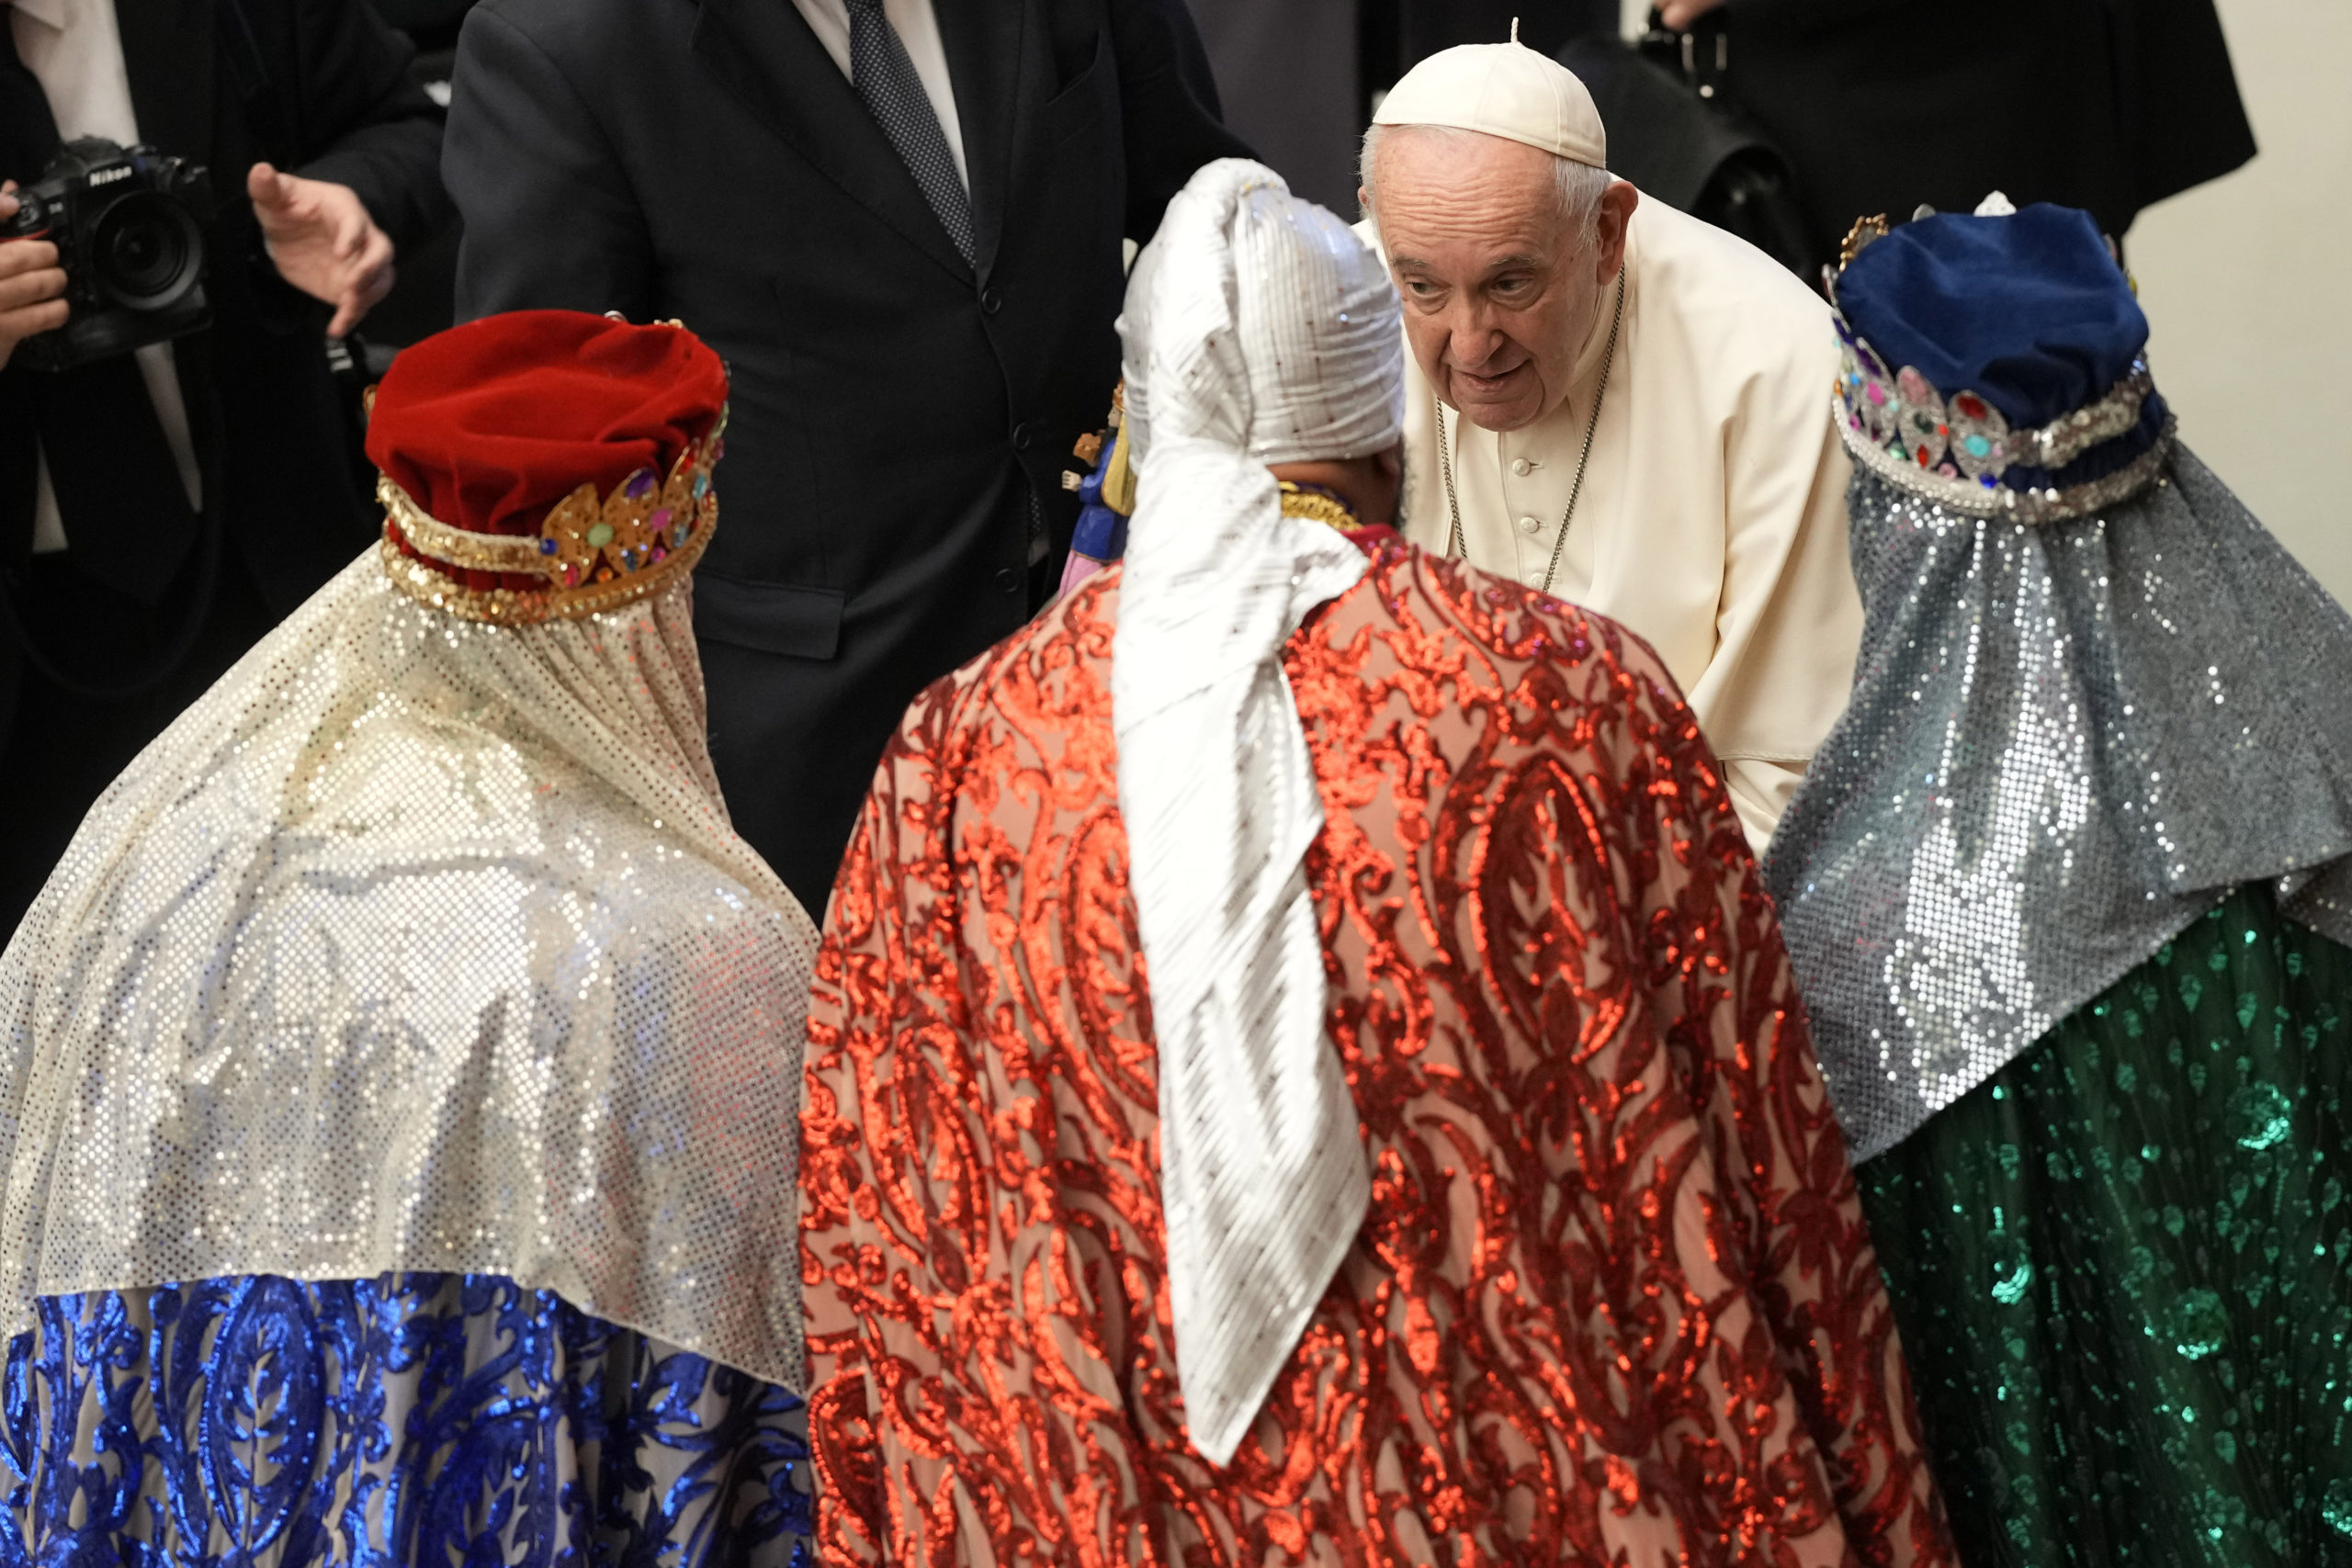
(1617,204)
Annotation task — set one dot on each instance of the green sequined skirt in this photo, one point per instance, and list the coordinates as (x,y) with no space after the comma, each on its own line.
(2123,1266)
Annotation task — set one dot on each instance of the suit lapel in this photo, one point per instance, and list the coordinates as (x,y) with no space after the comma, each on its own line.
(983,41)
(167,53)
(762,52)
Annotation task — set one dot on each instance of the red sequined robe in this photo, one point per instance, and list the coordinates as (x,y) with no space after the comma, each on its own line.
(1614,1302)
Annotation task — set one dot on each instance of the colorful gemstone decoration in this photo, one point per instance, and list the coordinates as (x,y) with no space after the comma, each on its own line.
(1904,415)
(1866,400)
(1924,432)
(1980,437)
(564,537)
(586,539)
(627,511)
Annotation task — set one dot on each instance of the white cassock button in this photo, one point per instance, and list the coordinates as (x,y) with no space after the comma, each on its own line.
(1522,466)
(1531,524)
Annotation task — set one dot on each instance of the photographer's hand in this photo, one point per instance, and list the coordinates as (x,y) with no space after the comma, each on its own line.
(323,242)
(30,282)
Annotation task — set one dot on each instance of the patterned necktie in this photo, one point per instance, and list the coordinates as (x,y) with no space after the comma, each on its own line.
(885,77)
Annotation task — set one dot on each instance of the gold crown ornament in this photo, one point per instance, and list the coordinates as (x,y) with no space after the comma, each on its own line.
(593,553)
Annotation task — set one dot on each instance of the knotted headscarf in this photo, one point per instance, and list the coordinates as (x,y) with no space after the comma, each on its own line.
(1258,330)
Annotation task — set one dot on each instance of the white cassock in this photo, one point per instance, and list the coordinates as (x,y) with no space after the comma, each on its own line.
(1713,521)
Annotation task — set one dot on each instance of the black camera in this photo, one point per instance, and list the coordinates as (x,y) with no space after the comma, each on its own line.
(129,227)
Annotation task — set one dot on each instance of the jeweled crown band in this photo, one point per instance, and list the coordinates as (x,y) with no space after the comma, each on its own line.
(2029,504)
(1959,451)
(593,554)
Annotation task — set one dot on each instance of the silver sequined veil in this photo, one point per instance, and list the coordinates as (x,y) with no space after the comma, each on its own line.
(2066,741)
(420,944)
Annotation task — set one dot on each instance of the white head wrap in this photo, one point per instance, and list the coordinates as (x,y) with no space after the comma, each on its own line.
(1258,330)
(1502,89)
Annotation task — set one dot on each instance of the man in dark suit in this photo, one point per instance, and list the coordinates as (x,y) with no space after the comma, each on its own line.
(2106,105)
(159,511)
(899,224)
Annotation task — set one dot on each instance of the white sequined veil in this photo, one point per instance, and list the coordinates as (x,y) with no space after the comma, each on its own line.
(421,944)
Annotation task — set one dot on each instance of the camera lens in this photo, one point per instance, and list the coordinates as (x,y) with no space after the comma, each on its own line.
(146,252)
(140,253)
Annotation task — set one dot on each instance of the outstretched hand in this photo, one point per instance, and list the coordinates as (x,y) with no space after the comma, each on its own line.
(1680,14)
(31,283)
(323,241)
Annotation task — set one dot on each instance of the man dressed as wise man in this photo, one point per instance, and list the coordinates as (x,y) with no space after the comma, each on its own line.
(1616,404)
(1302,1068)
(397,1077)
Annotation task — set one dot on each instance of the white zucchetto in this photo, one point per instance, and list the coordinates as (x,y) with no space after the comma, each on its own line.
(1258,330)
(1501,89)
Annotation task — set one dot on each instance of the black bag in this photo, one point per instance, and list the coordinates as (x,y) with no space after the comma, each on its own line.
(1674,134)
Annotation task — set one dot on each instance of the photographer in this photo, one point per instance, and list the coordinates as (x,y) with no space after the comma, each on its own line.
(163,505)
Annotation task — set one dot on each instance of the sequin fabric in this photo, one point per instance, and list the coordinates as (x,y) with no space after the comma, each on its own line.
(419,945)
(1258,329)
(2066,742)
(1614,1301)
(413,1421)
(2123,1266)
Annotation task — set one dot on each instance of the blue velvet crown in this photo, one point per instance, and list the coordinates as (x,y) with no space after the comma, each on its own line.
(2023,388)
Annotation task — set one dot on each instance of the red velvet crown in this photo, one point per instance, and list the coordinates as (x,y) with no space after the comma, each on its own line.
(547,463)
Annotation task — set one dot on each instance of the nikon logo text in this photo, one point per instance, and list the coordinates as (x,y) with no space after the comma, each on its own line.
(108,177)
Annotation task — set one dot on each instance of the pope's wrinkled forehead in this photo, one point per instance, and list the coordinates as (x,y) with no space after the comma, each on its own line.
(1262,317)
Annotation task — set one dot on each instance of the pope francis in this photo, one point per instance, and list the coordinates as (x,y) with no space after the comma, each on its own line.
(1617,404)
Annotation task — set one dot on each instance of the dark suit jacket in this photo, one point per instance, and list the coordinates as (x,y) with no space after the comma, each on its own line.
(893,413)
(2106,105)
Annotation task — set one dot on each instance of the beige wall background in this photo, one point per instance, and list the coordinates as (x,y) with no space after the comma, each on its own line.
(2248,283)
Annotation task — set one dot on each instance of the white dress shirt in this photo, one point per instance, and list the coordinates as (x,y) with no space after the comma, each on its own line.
(918,28)
(74,51)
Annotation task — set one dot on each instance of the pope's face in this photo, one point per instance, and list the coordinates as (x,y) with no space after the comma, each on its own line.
(1498,293)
